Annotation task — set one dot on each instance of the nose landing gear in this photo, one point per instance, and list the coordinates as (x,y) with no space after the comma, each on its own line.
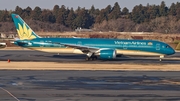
(161,57)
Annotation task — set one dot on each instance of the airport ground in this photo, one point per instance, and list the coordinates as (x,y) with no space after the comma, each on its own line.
(90,85)
(38,76)
(34,60)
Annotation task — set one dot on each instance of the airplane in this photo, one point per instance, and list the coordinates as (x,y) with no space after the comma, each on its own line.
(94,48)
(2,45)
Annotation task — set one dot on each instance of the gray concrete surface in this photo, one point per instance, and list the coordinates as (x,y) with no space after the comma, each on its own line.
(29,55)
(90,86)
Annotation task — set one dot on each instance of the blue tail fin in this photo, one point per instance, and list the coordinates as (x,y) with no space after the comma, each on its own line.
(23,30)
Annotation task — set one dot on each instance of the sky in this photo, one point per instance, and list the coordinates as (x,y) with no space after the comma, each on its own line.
(49,4)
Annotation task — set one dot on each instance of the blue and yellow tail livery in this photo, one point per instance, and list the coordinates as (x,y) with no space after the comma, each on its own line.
(23,30)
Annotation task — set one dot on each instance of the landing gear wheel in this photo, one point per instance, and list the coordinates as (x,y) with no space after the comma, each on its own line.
(87,58)
(95,58)
(91,58)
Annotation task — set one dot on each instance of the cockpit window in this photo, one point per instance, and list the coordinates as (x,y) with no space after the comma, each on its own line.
(167,47)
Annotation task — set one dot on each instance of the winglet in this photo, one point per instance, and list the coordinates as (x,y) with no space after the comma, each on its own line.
(23,30)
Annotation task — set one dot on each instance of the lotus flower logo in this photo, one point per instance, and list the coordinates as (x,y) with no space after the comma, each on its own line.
(24,32)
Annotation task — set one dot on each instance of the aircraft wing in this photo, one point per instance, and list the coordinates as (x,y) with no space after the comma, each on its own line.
(83,48)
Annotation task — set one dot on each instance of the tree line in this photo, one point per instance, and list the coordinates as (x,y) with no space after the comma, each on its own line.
(149,18)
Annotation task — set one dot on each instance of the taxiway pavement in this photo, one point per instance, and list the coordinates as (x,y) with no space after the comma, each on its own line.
(30,55)
(28,85)
(90,86)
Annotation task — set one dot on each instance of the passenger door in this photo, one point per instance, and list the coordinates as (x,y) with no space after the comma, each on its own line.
(158,47)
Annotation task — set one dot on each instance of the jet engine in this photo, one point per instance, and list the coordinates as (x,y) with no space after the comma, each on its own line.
(108,54)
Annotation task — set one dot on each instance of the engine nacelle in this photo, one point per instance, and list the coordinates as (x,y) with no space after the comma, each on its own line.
(108,54)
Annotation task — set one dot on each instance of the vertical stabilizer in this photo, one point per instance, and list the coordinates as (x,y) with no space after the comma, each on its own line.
(23,30)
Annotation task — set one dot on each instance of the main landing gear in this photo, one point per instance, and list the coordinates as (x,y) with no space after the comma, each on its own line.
(91,58)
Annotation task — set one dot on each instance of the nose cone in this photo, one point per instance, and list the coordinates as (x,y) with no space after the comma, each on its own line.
(171,51)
